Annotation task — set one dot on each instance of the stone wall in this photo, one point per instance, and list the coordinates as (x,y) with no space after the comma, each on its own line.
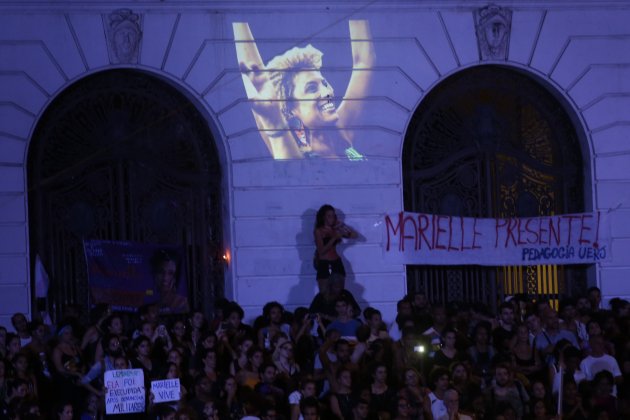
(580,51)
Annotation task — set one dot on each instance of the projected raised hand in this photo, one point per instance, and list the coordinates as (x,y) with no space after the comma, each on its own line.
(294,106)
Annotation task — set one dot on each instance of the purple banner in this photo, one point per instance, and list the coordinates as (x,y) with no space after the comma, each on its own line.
(128,275)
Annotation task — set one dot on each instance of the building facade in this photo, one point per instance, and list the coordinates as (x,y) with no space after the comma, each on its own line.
(251,186)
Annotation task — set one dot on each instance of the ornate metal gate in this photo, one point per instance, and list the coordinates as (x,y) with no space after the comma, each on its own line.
(121,155)
(491,142)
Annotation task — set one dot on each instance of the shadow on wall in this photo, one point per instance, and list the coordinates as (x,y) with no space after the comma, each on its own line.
(305,290)
(355,288)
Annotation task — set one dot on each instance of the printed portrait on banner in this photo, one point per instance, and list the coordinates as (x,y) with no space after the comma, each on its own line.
(128,275)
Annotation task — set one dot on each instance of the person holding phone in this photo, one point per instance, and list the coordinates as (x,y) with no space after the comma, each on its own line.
(329,231)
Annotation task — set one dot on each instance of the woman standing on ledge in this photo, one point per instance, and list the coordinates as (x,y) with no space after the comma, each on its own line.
(294,105)
(329,231)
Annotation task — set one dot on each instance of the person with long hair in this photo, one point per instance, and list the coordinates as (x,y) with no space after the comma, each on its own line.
(463,382)
(239,357)
(23,370)
(525,357)
(273,314)
(302,335)
(198,327)
(573,406)
(249,375)
(481,352)
(381,394)
(181,338)
(68,363)
(341,400)
(287,368)
(447,354)
(112,325)
(414,391)
(208,340)
(94,333)
(143,358)
(230,396)
(13,345)
(294,106)
(210,359)
(329,232)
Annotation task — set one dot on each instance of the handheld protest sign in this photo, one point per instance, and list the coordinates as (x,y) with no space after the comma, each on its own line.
(166,390)
(125,391)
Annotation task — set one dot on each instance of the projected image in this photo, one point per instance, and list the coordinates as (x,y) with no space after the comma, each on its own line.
(299,114)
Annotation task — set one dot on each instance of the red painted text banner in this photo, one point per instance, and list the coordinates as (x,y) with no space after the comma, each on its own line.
(429,239)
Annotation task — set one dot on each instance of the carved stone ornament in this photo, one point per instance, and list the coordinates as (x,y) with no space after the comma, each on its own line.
(493,25)
(123,31)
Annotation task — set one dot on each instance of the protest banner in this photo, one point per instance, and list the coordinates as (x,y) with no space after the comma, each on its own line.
(417,238)
(166,390)
(127,275)
(125,391)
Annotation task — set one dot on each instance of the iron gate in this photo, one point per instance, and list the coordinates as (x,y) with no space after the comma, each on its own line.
(121,155)
(492,142)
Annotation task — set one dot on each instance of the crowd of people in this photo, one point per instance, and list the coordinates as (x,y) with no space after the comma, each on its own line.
(532,359)
(331,361)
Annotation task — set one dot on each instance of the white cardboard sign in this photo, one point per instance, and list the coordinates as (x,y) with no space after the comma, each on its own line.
(166,390)
(125,391)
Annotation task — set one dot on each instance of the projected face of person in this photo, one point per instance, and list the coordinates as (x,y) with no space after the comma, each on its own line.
(165,277)
(293,79)
(312,99)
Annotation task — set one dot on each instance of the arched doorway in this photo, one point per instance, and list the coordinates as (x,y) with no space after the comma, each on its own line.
(492,142)
(122,155)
